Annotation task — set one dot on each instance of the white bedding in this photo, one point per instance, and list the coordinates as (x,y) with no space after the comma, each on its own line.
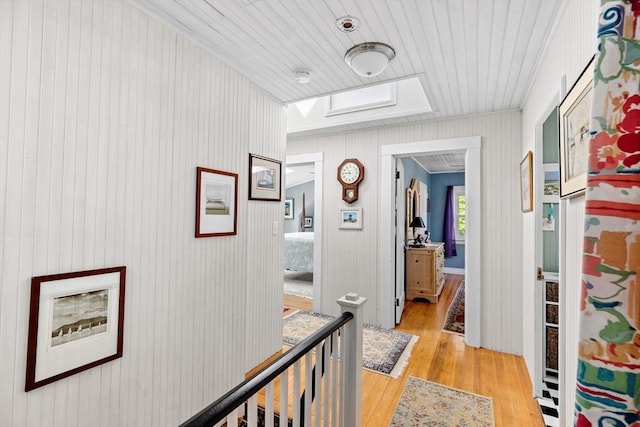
(298,251)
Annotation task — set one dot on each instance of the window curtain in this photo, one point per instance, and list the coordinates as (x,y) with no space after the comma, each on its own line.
(608,379)
(448,230)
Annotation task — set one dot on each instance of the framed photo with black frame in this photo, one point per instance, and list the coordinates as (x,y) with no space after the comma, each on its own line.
(265,178)
(575,117)
(76,322)
(308,222)
(288,209)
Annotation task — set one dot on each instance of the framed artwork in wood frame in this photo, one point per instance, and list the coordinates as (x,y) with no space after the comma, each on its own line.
(288,209)
(526,183)
(216,203)
(76,322)
(265,178)
(351,218)
(575,117)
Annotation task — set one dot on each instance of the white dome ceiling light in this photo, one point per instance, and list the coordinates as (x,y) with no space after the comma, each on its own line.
(369,59)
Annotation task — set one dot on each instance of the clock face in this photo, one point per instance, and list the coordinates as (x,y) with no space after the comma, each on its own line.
(349,173)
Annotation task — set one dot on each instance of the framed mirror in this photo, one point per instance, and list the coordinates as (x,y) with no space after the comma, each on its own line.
(412,200)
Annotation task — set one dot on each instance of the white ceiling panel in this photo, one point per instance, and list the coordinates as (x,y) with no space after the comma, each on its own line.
(473,56)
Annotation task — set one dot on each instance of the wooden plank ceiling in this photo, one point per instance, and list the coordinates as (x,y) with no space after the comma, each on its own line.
(472,56)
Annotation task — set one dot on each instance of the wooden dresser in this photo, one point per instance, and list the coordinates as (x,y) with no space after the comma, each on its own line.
(425,271)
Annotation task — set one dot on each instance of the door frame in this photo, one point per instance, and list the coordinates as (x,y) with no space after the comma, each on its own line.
(400,218)
(386,241)
(317,159)
(539,310)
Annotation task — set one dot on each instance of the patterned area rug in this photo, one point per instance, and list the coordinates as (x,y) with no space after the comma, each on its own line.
(383,351)
(454,321)
(424,403)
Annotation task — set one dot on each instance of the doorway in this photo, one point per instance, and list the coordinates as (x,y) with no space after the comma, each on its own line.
(547,249)
(386,286)
(316,160)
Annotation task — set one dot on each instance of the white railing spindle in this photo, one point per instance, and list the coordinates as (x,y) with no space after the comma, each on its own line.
(252,411)
(335,379)
(268,405)
(284,398)
(296,394)
(318,381)
(308,387)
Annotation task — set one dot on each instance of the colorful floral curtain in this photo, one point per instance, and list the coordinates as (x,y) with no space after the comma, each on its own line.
(448,230)
(608,382)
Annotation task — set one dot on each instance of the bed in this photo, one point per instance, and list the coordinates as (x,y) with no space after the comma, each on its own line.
(298,251)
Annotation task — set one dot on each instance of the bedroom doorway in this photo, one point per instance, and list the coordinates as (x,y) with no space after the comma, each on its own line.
(302,275)
(388,154)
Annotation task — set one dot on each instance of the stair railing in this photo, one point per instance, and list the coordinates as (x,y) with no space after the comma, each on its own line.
(332,382)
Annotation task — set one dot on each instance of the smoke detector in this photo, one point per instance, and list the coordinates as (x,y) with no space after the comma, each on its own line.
(302,76)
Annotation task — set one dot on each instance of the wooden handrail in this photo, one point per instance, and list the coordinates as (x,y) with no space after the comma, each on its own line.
(222,407)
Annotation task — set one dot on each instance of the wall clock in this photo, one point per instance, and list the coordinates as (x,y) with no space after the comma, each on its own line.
(350,175)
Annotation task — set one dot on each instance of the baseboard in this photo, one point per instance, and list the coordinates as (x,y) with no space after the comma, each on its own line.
(453,270)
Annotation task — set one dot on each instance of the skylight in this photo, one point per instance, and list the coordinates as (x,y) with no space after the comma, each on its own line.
(362,99)
(389,100)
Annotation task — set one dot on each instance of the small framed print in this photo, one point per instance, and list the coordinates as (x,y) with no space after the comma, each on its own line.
(265,178)
(526,182)
(216,201)
(76,322)
(351,218)
(575,117)
(308,222)
(288,209)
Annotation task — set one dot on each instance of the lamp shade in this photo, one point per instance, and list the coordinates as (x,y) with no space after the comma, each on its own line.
(369,59)
(417,222)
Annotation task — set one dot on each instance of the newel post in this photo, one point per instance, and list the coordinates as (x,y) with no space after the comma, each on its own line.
(351,342)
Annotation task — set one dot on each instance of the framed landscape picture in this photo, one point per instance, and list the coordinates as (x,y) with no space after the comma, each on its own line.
(76,322)
(575,117)
(216,203)
(351,218)
(526,183)
(264,178)
(288,209)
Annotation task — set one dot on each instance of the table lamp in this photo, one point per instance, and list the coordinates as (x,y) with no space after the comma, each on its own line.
(417,223)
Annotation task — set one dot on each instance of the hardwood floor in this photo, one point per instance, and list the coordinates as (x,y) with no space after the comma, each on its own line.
(443,358)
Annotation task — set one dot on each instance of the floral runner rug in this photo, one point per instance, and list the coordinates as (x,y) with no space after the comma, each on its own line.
(424,403)
(454,322)
(383,351)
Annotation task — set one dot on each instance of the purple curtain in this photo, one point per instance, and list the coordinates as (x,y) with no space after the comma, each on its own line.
(448,231)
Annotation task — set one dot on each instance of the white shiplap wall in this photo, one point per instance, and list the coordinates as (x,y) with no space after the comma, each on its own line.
(350,256)
(104,115)
(570,48)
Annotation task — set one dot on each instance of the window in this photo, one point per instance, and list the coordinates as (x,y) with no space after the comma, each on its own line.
(460,212)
